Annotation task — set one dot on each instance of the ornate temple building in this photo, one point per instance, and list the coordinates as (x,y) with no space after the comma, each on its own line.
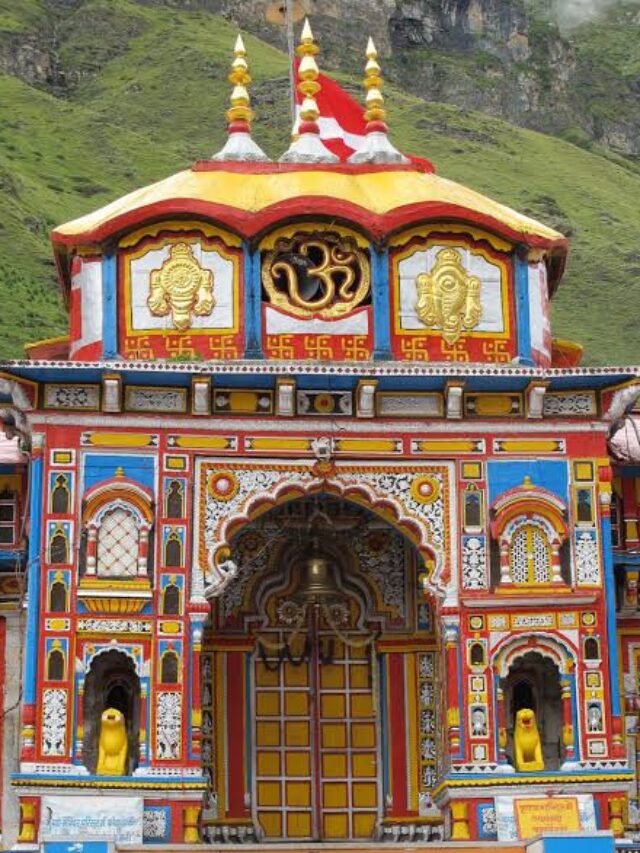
(325,537)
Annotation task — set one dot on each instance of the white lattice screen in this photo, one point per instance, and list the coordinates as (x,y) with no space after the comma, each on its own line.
(118,541)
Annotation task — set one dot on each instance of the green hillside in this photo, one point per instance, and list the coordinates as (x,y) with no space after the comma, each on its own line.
(143,94)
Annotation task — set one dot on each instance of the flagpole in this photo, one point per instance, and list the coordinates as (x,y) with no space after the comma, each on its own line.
(288,12)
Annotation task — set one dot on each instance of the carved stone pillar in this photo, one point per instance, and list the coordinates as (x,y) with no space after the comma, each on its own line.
(567,721)
(92,550)
(451,641)
(460,822)
(502,727)
(556,574)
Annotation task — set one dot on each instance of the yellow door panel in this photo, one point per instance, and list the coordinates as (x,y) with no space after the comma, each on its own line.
(267,734)
(363,735)
(271,823)
(334,765)
(359,676)
(335,795)
(267,704)
(332,677)
(296,733)
(360,653)
(361,705)
(298,794)
(333,705)
(365,795)
(363,765)
(268,764)
(334,735)
(335,825)
(364,824)
(296,704)
(266,677)
(296,676)
(269,794)
(298,764)
(298,824)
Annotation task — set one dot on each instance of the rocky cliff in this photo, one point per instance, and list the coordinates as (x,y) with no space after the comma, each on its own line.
(509,58)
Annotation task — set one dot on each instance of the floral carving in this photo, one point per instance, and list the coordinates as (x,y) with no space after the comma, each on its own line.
(54,722)
(169,726)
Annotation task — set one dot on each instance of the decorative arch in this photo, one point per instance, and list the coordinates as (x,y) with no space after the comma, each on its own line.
(529,524)
(550,646)
(530,501)
(117,517)
(119,488)
(401,512)
(114,647)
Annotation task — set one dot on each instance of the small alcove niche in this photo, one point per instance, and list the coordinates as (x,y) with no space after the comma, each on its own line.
(111,682)
(534,682)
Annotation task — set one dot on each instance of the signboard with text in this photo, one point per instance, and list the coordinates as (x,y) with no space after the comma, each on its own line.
(520,818)
(92,817)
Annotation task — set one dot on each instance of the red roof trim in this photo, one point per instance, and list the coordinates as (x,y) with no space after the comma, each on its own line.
(282,168)
(250,224)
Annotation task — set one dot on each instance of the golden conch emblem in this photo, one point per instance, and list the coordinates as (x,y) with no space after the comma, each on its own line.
(181,287)
(449,298)
(321,275)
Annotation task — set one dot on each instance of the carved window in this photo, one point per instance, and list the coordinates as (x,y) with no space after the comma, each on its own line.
(175,500)
(530,556)
(591,649)
(171,600)
(60,496)
(472,508)
(173,551)
(59,547)
(584,506)
(8,520)
(58,597)
(617,527)
(55,665)
(118,544)
(476,655)
(169,668)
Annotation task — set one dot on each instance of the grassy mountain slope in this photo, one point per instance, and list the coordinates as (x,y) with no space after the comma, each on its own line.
(148,96)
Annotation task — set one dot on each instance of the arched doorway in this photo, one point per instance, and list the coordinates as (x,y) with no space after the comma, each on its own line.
(112,682)
(321,639)
(534,682)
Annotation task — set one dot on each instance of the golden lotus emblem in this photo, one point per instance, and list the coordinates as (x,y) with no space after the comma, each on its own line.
(448,297)
(181,287)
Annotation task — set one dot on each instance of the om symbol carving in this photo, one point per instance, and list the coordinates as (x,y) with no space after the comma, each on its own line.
(449,298)
(316,275)
(181,287)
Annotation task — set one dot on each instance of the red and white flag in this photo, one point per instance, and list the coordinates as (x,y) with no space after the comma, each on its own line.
(342,123)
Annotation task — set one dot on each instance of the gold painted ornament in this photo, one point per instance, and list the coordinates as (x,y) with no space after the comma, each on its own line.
(448,297)
(181,287)
(316,275)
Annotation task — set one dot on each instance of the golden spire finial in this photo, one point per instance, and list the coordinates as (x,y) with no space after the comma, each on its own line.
(307,147)
(240,146)
(308,72)
(240,109)
(373,84)
(376,147)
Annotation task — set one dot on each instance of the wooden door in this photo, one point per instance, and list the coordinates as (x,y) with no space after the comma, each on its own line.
(315,738)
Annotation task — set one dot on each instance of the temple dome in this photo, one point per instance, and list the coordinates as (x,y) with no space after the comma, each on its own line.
(250,198)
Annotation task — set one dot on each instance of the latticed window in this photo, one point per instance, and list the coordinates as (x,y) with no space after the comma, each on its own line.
(530,556)
(118,544)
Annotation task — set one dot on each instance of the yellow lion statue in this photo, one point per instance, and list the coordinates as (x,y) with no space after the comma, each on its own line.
(112,746)
(526,742)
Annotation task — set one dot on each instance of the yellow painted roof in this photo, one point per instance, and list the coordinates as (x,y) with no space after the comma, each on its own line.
(252,189)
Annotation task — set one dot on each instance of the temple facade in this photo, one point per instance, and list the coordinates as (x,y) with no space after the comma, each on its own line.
(325,537)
